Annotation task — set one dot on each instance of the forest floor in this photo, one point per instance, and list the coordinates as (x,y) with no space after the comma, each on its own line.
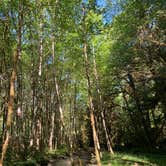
(85,158)
(81,158)
(131,159)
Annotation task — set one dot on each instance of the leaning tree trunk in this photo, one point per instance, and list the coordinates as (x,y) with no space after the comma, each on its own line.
(89,87)
(101,104)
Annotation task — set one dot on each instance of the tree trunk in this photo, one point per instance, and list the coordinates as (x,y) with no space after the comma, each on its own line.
(16,56)
(38,125)
(51,137)
(91,106)
(57,92)
(101,104)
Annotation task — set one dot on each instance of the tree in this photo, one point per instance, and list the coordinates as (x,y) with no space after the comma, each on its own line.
(16,56)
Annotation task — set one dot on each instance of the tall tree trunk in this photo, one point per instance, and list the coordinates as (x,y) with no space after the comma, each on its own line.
(89,87)
(39,98)
(101,103)
(16,56)
(74,116)
(91,106)
(57,92)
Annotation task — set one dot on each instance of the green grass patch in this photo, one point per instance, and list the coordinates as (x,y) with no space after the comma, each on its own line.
(61,151)
(129,159)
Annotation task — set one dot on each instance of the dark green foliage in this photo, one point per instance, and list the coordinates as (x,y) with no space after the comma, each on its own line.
(41,158)
(136,75)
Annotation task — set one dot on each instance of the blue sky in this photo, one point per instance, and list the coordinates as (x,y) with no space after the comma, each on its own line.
(101,3)
(112,8)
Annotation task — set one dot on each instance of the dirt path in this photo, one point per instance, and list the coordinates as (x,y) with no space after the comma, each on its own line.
(82,158)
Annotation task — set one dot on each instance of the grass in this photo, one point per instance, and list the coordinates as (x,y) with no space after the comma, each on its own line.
(129,159)
(40,158)
(119,159)
(61,151)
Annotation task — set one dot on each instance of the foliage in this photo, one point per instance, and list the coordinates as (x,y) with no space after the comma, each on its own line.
(124,67)
(56,153)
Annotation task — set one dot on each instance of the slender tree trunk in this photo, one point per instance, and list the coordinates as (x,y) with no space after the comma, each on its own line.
(101,103)
(57,92)
(89,87)
(10,113)
(51,137)
(40,51)
(91,106)
(74,115)
(38,126)
(16,56)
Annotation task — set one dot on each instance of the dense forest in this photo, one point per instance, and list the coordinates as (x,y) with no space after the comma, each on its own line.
(82,82)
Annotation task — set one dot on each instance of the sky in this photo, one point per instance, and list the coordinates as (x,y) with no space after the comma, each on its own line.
(112,8)
(101,3)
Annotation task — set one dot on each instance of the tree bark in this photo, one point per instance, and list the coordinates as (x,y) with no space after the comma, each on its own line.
(91,106)
(16,56)
(101,103)
(57,91)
